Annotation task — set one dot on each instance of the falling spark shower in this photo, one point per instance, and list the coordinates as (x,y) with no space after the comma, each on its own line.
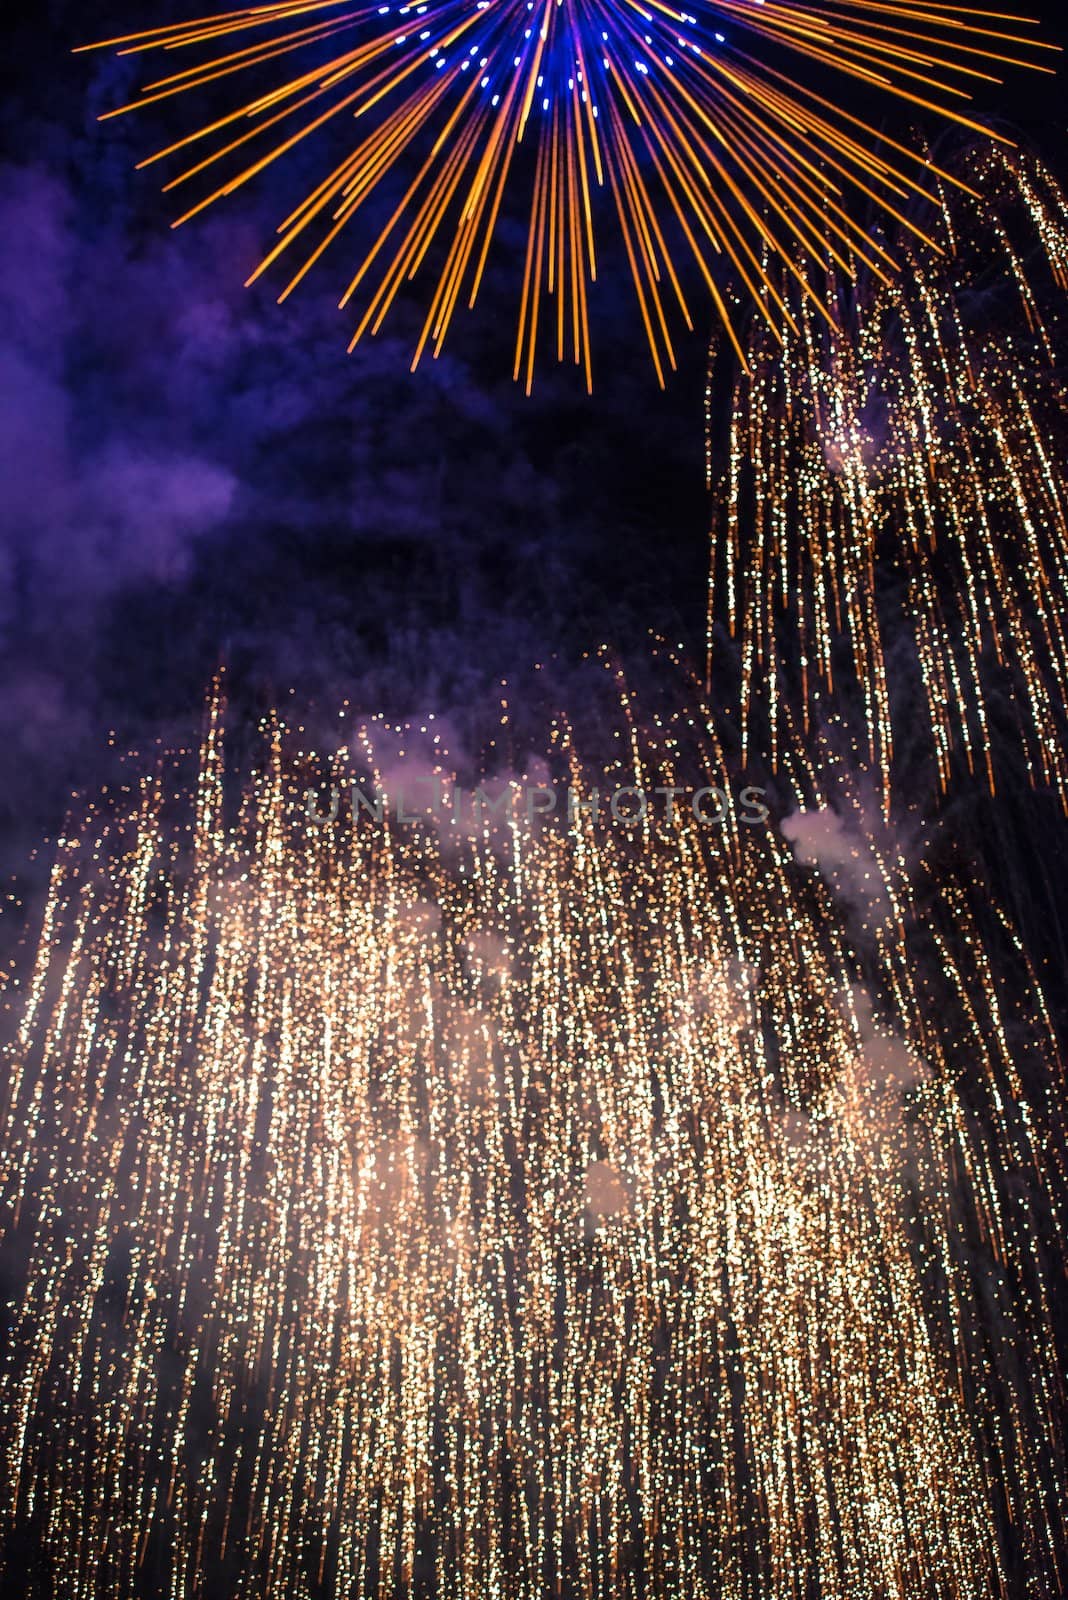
(895,484)
(558,1207)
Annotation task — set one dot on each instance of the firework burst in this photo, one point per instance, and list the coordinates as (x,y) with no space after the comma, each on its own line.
(560,1212)
(899,477)
(692,123)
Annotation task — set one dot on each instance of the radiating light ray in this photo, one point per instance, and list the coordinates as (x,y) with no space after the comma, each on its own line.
(517,1212)
(709,149)
(901,475)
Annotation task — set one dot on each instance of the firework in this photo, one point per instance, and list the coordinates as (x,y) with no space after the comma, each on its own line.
(895,483)
(517,1211)
(706,148)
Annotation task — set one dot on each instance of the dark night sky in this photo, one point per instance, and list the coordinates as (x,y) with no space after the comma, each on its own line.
(192,473)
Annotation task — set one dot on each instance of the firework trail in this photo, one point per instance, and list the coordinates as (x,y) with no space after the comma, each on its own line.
(706,147)
(903,472)
(558,1209)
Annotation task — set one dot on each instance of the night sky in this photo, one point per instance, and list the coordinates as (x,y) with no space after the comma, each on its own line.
(193,474)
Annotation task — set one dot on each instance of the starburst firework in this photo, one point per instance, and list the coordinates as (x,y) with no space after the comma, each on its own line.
(705,143)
